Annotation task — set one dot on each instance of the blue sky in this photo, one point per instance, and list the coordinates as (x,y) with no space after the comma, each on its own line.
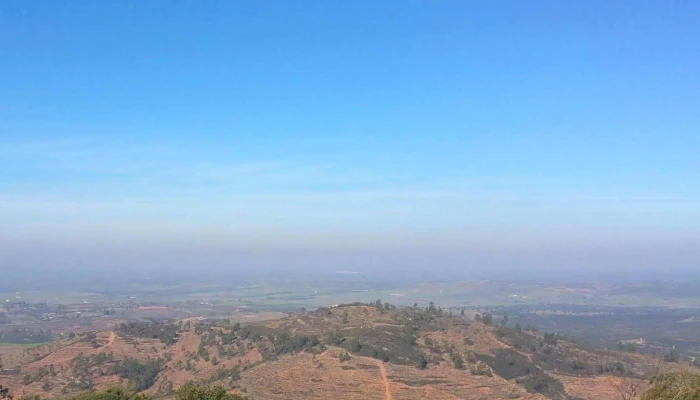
(525,127)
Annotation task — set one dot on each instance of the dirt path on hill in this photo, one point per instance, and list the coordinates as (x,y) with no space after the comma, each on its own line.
(387,391)
(110,340)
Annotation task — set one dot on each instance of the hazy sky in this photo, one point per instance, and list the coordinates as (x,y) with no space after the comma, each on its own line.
(474,133)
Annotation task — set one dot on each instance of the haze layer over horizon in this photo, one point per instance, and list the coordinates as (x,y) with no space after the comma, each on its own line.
(330,135)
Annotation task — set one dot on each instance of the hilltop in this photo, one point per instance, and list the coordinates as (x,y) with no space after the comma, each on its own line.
(358,351)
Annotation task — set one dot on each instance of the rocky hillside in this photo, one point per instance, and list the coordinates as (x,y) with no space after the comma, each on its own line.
(343,352)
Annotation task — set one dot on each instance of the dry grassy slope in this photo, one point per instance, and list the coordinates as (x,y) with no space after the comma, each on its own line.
(323,376)
(268,372)
(61,357)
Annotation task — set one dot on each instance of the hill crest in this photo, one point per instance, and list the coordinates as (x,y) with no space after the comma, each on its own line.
(345,352)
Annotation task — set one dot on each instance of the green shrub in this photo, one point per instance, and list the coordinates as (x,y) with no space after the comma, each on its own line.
(480,369)
(540,382)
(140,375)
(422,363)
(676,386)
(508,363)
(193,391)
(457,359)
(112,394)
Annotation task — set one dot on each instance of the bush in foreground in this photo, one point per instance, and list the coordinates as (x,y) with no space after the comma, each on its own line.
(193,391)
(112,394)
(674,386)
(189,391)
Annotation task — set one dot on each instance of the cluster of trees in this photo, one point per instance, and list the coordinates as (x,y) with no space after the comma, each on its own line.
(202,351)
(486,318)
(193,391)
(141,375)
(286,343)
(232,374)
(82,372)
(613,367)
(166,332)
(433,310)
(509,363)
(354,346)
(189,391)
(230,340)
(456,359)
(436,348)
(399,346)
(672,356)
(25,335)
(383,307)
(335,338)
(248,333)
(550,338)
(539,382)
(40,374)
